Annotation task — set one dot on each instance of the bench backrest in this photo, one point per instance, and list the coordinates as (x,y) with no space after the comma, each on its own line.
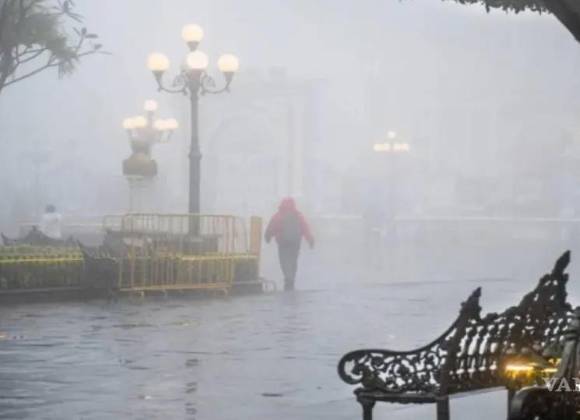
(470,353)
(476,346)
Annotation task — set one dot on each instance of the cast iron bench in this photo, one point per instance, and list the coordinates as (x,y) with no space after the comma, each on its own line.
(469,356)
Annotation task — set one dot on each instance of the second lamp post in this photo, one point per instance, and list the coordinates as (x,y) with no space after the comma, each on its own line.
(193,81)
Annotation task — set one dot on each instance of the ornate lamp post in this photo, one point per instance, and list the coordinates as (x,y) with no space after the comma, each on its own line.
(143,132)
(193,81)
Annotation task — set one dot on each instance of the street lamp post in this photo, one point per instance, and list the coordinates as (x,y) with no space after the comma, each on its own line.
(389,175)
(193,81)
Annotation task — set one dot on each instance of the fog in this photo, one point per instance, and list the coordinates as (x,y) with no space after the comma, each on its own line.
(486,102)
(432,147)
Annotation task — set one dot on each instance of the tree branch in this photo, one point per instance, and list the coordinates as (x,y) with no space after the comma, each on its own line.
(34,54)
(31,28)
(46,66)
(567,15)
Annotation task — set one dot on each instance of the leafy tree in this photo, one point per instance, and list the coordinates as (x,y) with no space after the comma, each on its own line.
(510,5)
(34,38)
(567,11)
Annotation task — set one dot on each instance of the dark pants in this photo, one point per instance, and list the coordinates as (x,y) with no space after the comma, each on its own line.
(288,253)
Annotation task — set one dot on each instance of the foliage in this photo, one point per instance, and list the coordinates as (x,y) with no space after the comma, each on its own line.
(33,38)
(509,5)
(566,11)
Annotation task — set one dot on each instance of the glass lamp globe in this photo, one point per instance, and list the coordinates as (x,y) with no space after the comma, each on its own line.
(160,125)
(197,60)
(150,105)
(140,121)
(192,33)
(171,123)
(128,124)
(157,62)
(228,63)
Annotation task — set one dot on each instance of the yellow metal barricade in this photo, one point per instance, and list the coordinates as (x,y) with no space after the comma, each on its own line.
(34,267)
(185,251)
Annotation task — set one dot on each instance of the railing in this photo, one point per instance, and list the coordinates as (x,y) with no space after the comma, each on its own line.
(33,267)
(214,233)
(143,252)
(161,251)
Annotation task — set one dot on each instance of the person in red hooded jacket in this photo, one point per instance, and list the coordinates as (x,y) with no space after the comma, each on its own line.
(288,226)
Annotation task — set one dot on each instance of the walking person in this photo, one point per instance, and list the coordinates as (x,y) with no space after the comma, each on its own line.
(288,226)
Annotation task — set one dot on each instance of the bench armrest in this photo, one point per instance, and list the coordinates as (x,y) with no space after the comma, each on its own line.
(418,370)
(393,371)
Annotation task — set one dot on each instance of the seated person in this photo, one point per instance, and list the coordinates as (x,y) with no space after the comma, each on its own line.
(50,223)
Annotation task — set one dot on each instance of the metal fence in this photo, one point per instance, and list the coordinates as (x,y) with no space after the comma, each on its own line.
(163,253)
(143,252)
(213,233)
(33,267)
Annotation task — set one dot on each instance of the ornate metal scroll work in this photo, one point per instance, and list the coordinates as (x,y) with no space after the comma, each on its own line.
(468,356)
(560,399)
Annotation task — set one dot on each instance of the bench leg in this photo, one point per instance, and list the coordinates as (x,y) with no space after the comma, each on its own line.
(367,406)
(443,408)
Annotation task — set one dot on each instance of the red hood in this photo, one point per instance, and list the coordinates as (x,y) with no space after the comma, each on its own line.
(274,228)
(287,205)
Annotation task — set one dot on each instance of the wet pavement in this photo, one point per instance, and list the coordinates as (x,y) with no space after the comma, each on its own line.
(269,356)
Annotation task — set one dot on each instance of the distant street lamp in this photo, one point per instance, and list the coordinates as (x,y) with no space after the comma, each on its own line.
(144,132)
(391,146)
(389,178)
(193,81)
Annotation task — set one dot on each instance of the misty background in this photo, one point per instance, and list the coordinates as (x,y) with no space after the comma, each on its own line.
(486,195)
(487,103)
